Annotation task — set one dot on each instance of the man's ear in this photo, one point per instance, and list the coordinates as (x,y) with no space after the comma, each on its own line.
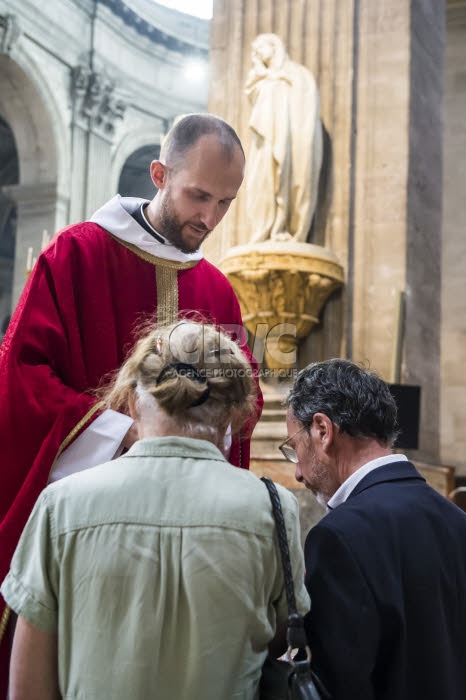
(158,173)
(323,429)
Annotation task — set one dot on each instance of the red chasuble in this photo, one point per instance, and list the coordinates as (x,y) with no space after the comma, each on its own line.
(75,323)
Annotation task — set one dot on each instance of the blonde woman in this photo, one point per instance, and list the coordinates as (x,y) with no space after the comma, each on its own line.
(157,575)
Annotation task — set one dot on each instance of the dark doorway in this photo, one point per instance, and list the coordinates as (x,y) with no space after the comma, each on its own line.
(135,178)
(9,175)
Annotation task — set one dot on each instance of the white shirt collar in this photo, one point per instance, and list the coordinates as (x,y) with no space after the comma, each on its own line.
(352,481)
(141,209)
(115,217)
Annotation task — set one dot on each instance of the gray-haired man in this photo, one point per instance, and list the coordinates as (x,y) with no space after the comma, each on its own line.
(386,567)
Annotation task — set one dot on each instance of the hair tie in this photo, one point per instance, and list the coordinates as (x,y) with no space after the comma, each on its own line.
(183,369)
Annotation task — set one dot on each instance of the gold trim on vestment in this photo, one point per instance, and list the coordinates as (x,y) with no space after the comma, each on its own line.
(172,264)
(4,621)
(76,429)
(167,295)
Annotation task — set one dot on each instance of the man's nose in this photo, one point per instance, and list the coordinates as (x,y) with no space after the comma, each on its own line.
(298,475)
(210,215)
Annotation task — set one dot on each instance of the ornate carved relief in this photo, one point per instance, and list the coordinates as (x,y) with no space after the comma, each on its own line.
(282,287)
(9,33)
(94,100)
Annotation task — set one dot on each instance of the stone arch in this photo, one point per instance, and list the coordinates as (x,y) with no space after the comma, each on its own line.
(27,104)
(134,177)
(136,151)
(30,109)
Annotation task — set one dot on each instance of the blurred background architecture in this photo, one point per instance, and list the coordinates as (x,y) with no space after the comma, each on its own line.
(87,89)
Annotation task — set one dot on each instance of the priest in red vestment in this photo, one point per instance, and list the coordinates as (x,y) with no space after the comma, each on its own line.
(87,297)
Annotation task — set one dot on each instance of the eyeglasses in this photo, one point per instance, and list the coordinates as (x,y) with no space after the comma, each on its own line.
(288,452)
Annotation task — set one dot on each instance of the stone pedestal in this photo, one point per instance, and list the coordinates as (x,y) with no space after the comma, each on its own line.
(282,286)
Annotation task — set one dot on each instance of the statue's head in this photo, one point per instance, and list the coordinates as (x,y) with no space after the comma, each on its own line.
(268,49)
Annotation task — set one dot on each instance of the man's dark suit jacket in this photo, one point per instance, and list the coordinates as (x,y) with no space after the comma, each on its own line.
(386,572)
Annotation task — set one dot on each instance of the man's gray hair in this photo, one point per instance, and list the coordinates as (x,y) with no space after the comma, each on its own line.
(354,398)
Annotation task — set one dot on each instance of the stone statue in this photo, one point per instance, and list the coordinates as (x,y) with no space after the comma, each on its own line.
(286,152)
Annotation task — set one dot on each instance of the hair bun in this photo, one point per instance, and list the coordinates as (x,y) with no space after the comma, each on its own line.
(184,369)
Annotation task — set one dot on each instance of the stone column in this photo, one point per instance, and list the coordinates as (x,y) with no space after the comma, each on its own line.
(37,210)
(453,404)
(397,196)
(95,112)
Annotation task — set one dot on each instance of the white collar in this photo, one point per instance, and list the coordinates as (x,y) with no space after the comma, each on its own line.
(115,217)
(157,235)
(352,481)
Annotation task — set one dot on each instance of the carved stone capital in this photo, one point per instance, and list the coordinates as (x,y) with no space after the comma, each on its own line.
(94,102)
(282,287)
(9,33)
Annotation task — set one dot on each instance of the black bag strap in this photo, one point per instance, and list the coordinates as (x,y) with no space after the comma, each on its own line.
(296,635)
(283,543)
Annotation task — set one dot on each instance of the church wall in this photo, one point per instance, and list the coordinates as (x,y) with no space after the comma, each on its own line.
(453,395)
(381,173)
(378,67)
(424,217)
(397,164)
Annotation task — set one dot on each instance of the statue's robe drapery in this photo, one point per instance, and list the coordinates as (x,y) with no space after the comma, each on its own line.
(285,157)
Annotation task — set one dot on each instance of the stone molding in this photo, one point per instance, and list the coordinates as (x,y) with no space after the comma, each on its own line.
(31,196)
(94,101)
(146,29)
(9,33)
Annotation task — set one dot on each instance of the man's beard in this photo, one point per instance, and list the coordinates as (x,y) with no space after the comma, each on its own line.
(172,228)
(320,480)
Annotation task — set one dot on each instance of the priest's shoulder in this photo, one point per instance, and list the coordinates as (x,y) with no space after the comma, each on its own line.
(86,239)
(216,276)
(85,232)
